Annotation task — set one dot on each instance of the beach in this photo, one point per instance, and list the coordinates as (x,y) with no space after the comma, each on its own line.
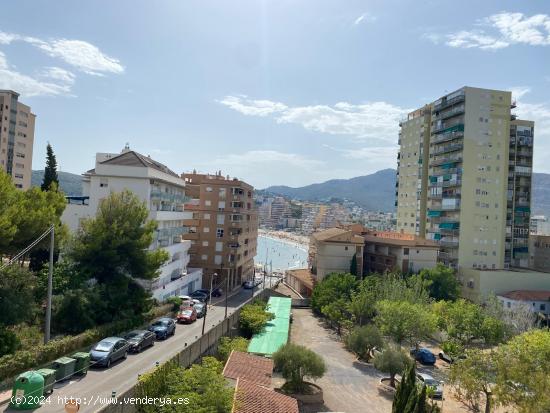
(280,253)
(300,241)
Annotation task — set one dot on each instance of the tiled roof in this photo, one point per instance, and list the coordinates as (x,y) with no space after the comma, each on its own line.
(527,295)
(330,233)
(252,398)
(304,275)
(132,158)
(397,241)
(250,367)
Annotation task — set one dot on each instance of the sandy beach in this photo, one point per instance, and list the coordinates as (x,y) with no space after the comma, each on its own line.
(299,241)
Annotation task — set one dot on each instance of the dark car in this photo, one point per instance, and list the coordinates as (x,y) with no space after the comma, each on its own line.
(108,350)
(199,295)
(140,339)
(201,309)
(216,292)
(187,315)
(248,285)
(163,328)
(424,356)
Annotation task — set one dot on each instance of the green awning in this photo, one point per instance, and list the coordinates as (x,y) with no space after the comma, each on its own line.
(275,333)
(434,213)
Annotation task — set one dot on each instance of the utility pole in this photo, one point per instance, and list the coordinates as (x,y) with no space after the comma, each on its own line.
(50,287)
(209,303)
(226,288)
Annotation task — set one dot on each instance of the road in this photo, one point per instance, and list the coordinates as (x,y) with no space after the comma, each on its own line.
(99,383)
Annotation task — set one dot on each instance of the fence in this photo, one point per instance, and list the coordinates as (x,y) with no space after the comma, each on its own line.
(204,346)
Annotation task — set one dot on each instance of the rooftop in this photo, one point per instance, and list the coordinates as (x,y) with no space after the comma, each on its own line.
(133,158)
(337,235)
(249,367)
(304,275)
(253,398)
(527,295)
(398,239)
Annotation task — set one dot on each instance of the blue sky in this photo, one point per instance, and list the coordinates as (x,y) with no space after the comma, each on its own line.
(272,91)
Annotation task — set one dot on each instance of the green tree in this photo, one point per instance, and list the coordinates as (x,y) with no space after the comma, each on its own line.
(442,282)
(361,306)
(363,340)
(462,320)
(522,367)
(473,376)
(331,288)
(50,172)
(253,318)
(392,360)
(8,210)
(406,390)
(112,249)
(73,312)
(296,363)
(336,313)
(404,320)
(226,345)
(353,265)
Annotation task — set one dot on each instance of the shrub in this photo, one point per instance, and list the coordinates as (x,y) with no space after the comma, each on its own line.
(253,318)
(296,363)
(175,302)
(8,341)
(393,361)
(363,340)
(226,345)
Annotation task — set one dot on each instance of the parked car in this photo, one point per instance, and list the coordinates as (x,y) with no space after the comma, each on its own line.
(447,358)
(201,309)
(139,339)
(248,285)
(429,381)
(185,300)
(163,328)
(187,315)
(198,295)
(216,292)
(108,350)
(424,356)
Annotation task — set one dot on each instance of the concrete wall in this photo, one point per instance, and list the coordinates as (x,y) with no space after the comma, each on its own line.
(333,258)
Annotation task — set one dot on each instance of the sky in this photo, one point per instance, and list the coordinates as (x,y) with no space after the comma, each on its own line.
(271,91)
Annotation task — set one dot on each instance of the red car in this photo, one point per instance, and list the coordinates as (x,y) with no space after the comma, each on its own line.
(187,315)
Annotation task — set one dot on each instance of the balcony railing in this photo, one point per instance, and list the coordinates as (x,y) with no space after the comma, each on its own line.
(165,196)
(444,137)
(459,127)
(448,148)
(446,159)
(449,102)
(446,184)
(450,113)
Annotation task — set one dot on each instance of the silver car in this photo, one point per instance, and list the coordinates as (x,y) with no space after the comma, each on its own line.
(429,381)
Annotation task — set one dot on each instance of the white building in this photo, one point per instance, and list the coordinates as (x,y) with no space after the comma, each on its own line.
(536,301)
(163,191)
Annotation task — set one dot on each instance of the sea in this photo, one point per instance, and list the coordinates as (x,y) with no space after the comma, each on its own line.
(280,255)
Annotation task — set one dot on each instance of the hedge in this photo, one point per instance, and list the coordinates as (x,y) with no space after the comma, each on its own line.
(13,364)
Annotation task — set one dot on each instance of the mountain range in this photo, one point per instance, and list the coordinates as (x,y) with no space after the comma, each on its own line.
(70,183)
(376,192)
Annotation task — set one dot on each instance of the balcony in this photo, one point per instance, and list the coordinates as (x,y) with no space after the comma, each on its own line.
(449,129)
(448,242)
(449,102)
(168,215)
(450,113)
(446,160)
(446,184)
(169,197)
(445,137)
(448,148)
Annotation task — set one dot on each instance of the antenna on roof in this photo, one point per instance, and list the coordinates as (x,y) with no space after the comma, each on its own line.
(126,147)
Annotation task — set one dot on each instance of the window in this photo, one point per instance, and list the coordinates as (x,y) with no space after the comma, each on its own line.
(219,233)
(206,216)
(206,229)
(542,307)
(219,246)
(205,243)
(221,205)
(207,202)
(208,189)
(217,259)
(103,182)
(345,248)
(204,257)
(405,251)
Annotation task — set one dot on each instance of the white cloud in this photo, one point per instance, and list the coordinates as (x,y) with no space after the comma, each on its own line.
(499,31)
(57,73)
(78,53)
(27,85)
(365,17)
(261,157)
(373,120)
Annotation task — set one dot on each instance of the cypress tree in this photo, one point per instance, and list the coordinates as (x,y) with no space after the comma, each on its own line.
(421,405)
(405,390)
(50,172)
(353,265)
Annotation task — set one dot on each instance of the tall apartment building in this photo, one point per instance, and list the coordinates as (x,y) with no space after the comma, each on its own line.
(224,227)
(16,138)
(163,192)
(477,183)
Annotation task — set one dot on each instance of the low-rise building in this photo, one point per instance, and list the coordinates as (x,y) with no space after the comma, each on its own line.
(389,251)
(536,301)
(163,192)
(332,250)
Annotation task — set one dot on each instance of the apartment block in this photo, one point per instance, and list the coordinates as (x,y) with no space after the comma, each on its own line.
(223,229)
(16,138)
(479,168)
(163,192)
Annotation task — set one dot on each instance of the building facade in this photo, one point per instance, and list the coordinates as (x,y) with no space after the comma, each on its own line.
(536,301)
(478,178)
(16,138)
(223,228)
(389,251)
(539,252)
(163,192)
(332,250)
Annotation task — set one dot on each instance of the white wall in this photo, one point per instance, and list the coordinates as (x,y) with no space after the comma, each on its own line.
(332,257)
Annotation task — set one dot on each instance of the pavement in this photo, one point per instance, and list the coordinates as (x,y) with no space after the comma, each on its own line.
(97,386)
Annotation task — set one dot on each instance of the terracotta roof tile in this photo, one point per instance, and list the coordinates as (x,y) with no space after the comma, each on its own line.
(250,367)
(252,398)
(527,295)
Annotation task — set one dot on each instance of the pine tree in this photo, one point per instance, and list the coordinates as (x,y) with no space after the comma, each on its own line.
(50,172)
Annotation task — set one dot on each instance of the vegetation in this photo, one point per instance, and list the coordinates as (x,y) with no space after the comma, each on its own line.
(253,318)
(392,360)
(296,363)
(363,340)
(50,172)
(332,288)
(442,283)
(353,265)
(226,345)
(409,397)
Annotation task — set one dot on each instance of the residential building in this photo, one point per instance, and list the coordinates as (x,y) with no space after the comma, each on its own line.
(163,192)
(478,178)
(536,301)
(16,138)
(332,250)
(223,228)
(539,252)
(407,253)
(539,225)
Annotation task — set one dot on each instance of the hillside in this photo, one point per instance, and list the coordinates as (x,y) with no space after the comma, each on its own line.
(70,183)
(374,192)
(377,191)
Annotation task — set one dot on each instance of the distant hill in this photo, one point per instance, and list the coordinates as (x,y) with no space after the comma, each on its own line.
(70,183)
(377,191)
(374,192)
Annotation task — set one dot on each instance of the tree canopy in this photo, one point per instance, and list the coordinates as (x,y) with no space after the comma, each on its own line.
(442,283)
(297,363)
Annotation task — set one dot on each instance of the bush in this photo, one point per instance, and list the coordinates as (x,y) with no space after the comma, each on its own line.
(296,363)
(393,360)
(175,302)
(363,340)
(253,318)
(226,345)
(8,341)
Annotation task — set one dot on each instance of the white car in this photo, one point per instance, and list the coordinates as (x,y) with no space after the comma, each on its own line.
(429,381)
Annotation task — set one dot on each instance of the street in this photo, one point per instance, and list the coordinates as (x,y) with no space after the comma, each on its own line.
(97,386)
